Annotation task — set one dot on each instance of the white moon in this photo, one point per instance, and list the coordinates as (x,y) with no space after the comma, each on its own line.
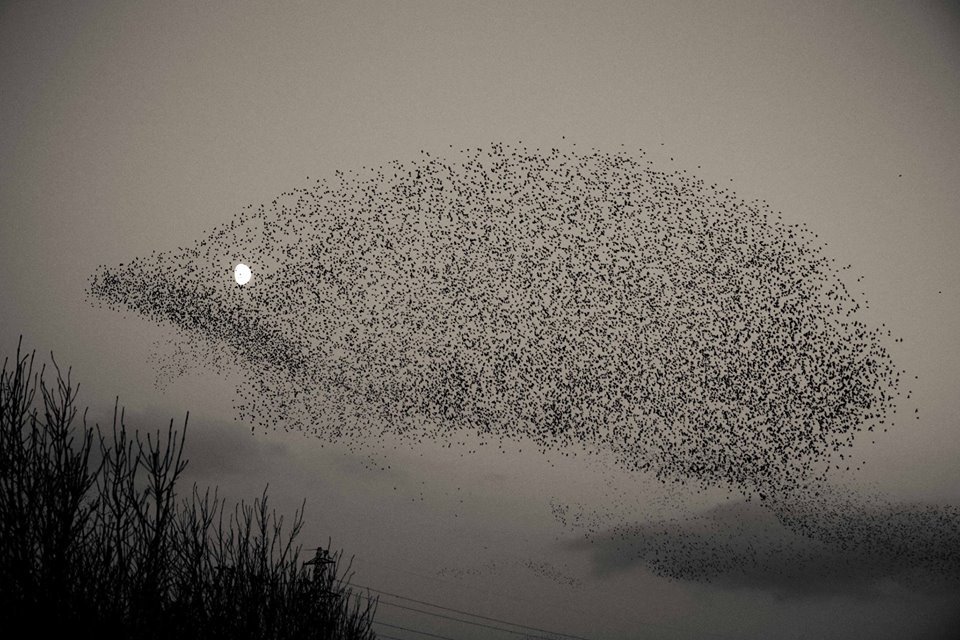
(242,274)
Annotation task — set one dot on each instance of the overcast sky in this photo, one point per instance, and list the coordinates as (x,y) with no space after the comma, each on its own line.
(128,127)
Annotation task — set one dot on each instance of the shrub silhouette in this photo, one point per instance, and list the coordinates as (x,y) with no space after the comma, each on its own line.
(94,538)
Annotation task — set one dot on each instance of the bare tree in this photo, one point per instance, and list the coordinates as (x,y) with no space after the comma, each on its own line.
(93,535)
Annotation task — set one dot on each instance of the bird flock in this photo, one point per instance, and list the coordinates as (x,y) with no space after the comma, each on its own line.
(578,300)
(833,540)
(564,297)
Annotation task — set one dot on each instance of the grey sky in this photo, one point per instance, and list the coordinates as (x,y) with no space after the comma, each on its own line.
(127,127)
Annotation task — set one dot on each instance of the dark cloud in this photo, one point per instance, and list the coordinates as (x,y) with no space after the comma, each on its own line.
(220,448)
(794,550)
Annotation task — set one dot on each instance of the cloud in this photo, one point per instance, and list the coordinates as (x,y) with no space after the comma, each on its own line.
(794,549)
(221,449)
(216,449)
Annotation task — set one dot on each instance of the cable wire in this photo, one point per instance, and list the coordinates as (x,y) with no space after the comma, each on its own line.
(478,624)
(703,632)
(468,613)
(424,633)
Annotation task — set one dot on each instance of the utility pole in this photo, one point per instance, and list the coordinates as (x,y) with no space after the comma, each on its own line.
(320,562)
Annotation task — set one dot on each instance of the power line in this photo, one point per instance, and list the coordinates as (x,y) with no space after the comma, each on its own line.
(701,632)
(468,613)
(423,633)
(478,624)
(461,585)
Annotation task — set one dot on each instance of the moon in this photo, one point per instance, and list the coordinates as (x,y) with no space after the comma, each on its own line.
(242,274)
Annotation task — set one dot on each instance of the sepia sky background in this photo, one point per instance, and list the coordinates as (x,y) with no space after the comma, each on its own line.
(132,126)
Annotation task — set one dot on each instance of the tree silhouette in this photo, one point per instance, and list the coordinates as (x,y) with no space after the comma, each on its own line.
(94,537)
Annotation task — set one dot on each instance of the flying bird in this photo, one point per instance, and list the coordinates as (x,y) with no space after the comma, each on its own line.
(571,298)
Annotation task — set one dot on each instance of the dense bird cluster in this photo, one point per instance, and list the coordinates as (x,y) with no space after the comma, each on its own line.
(919,537)
(569,298)
(835,540)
